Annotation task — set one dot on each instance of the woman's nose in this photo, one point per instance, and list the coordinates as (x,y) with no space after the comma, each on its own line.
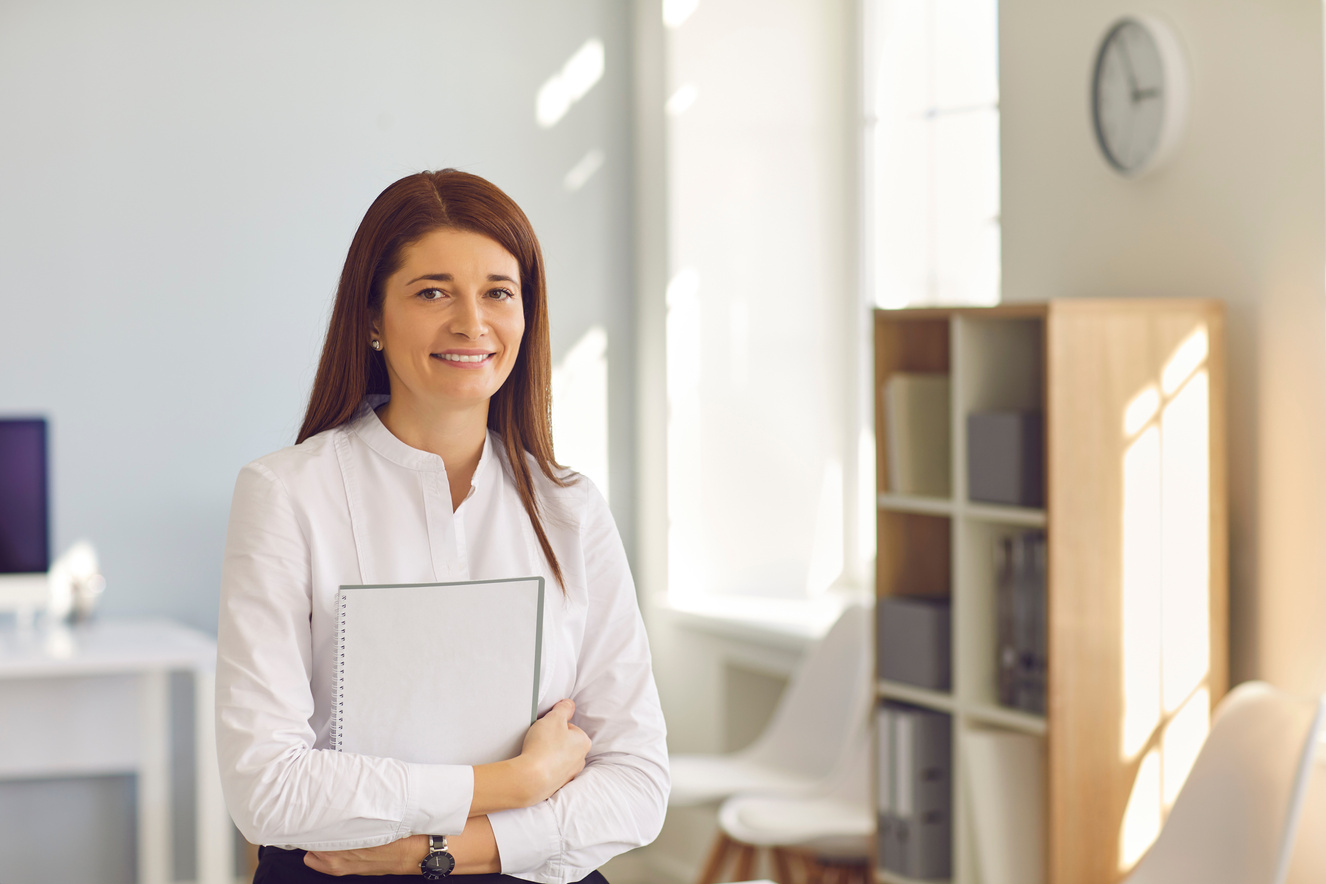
(468,319)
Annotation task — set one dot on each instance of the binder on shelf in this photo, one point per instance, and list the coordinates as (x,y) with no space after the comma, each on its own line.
(917,424)
(437,673)
(920,840)
(885,781)
(1020,604)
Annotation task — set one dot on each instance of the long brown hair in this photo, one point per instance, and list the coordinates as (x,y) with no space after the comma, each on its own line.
(521,409)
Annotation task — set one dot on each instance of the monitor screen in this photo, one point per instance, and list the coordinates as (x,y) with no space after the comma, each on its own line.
(24,512)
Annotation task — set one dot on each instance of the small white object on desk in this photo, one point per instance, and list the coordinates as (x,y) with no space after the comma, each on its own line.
(94,699)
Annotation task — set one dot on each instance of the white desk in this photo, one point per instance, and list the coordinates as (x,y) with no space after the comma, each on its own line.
(93,700)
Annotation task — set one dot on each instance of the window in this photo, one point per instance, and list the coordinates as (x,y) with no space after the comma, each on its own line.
(932,150)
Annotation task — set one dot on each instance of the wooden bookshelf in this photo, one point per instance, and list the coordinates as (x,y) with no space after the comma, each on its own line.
(1132,393)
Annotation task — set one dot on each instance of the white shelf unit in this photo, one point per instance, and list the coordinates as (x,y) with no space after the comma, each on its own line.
(1081,363)
(993,363)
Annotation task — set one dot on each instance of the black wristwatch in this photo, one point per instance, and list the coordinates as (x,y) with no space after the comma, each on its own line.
(438,864)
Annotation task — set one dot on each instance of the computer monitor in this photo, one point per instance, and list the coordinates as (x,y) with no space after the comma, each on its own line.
(25,552)
(24,501)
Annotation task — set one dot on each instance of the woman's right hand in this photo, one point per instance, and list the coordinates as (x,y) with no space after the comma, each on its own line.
(554,749)
(553,753)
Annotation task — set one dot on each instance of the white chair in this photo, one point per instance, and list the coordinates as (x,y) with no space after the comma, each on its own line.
(816,731)
(820,836)
(1235,818)
(810,730)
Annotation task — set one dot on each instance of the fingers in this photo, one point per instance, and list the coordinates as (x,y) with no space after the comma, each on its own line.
(562,709)
(317,863)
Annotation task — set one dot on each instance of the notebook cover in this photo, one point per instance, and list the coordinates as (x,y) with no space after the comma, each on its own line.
(437,673)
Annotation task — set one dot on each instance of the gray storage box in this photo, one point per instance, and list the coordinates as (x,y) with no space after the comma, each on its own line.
(1006,458)
(914,641)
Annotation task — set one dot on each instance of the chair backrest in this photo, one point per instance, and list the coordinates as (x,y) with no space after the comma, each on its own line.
(1235,819)
(825,705)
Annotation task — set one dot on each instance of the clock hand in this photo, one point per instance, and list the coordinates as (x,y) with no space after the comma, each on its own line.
(1128,68)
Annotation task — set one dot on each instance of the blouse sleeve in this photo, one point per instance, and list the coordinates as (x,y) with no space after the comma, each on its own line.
(619,799)
(280,790)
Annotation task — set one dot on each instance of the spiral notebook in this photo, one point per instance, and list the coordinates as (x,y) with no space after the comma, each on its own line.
(437,673)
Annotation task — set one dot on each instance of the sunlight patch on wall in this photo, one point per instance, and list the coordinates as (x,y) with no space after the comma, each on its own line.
(826,547)
(564,88)
(739,343)
(681,100)
(685,490)
(675,12)
(580,407)
(584,170)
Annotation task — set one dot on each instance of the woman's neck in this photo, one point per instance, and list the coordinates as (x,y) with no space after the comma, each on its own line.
(455,435)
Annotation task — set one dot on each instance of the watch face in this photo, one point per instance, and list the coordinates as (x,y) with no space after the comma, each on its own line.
(1129,97)
(437,865)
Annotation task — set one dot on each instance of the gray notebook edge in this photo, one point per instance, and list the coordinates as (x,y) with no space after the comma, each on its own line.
(338,661)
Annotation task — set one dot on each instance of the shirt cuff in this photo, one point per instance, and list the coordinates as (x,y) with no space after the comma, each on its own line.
(437,799)
(527,838)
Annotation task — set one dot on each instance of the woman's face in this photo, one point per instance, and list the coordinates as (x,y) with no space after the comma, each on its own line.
(451,319)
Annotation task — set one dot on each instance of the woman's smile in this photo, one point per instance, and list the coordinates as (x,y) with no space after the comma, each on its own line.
(470,359)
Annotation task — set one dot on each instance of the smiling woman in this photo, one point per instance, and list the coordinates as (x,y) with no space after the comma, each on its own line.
(426,457)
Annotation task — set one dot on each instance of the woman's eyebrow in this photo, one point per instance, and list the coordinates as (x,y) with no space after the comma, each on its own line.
(447,277)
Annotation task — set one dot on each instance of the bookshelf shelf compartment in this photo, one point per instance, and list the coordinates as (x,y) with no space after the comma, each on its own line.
(1078,363)
(1003,717)
(912,503)
(1007,515)
(883,876)
(940,701)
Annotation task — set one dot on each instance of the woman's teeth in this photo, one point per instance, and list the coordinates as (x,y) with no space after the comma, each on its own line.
(453,357)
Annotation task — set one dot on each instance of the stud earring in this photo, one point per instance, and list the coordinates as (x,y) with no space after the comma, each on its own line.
(376,345)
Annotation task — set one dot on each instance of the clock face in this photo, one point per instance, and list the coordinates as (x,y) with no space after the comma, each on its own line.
(1133,95)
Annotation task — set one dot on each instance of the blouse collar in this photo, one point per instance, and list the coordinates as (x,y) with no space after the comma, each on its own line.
(369,427)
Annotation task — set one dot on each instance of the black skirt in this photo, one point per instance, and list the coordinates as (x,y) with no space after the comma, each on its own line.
(279,866)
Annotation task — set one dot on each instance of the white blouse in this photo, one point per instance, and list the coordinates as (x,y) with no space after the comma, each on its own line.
(355,505)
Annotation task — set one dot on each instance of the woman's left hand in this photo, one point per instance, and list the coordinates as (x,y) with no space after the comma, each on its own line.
(397,858)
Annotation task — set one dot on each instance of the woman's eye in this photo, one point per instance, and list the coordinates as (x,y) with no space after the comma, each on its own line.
(432,294)
(501,294)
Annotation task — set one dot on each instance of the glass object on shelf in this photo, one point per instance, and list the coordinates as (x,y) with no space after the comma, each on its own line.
(1020,604)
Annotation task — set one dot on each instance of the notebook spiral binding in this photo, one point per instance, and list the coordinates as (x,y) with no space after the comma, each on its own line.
(338,678)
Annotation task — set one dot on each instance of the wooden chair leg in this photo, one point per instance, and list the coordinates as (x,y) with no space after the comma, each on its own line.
(713,865)
(745,861)
(815,872)
(782,868)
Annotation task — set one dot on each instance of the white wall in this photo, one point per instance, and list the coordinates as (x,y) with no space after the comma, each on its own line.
(179,185)
(1238,214)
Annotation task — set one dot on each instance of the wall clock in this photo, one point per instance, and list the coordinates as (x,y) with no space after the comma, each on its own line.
(1139,94)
